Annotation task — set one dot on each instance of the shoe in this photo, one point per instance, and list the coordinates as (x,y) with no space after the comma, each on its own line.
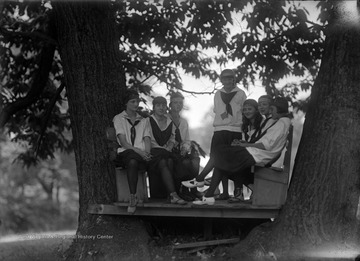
(238,196)
(236,200)
(175,199)
(186,195)
(237,192)
(223,196)
(132,203)
(205,201)
(193,183)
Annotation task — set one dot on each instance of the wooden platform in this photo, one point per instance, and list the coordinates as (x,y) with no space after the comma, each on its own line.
(221,209)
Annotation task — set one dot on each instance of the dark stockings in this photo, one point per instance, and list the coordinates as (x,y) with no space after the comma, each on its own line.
(208,167)
(192,167)
(215,181)
(165,165)
(132,175)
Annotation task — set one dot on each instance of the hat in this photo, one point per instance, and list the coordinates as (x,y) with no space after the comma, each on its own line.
(251,102)
(129,95)
(227,72)
(281,105)
(175,95)
(159,100)
(266,96)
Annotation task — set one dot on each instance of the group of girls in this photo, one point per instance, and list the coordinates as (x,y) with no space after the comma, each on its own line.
(265,127)
(256,120)
(159,143)
(245,133)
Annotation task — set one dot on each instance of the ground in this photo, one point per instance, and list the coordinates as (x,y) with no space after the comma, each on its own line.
(35,246)
(51,246)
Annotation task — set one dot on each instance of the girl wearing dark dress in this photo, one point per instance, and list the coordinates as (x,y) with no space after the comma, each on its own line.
(251,127)
(162,135)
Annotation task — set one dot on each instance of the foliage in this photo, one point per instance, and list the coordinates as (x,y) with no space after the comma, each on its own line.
(33,199)
(279,41)
(158,41)
(159,38)
(28,98)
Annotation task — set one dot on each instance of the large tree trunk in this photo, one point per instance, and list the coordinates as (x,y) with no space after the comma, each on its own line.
(95,81)
(321,215)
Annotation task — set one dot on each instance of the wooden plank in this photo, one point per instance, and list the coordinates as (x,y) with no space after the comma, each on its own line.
(158,203)
(196,250)
(208,243)
(181,211)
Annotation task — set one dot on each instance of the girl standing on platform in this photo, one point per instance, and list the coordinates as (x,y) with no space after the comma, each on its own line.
(228,106)
(162,135)
(134,140)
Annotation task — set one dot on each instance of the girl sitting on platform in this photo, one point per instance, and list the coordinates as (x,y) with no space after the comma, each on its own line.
(264,103)
(162,135)
(251,129)
(131,134)
(186,152)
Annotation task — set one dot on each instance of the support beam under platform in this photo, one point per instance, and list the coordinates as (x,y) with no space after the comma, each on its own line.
(221,209)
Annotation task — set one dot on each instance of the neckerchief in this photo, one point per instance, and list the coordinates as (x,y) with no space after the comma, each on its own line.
(262,133)
(258,132)
(161,137)
(226,98)
(177,135)
(132,130)
(252,137)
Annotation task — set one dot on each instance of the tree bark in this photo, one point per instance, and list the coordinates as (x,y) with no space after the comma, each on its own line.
(320,212)
(95,83)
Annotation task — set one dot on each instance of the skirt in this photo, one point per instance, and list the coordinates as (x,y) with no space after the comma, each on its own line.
(223,138)
(156,184)
(232,158)
(123,158)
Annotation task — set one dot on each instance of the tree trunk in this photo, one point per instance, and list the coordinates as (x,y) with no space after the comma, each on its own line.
(95,82)
(320,215)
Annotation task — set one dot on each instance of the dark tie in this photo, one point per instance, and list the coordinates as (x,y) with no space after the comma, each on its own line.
(263,125)
(177,135)
(226,98)
(133,131)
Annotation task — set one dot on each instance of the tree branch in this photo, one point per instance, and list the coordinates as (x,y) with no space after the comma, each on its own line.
(38,85)
(34,35)
(47,115)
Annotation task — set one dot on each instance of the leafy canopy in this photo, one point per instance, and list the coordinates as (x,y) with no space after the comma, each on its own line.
(159,40)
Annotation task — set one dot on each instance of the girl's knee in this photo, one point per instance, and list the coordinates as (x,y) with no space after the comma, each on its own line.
(162,163)
(187,163)
(133,163)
